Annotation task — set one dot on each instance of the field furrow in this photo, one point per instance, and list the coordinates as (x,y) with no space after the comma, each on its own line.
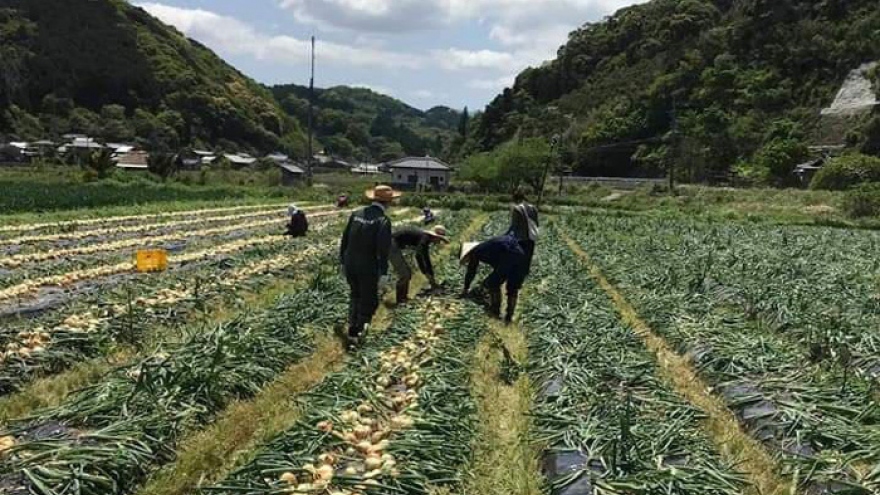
(772,333)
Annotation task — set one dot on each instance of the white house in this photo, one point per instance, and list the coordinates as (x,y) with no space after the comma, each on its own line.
(420,173)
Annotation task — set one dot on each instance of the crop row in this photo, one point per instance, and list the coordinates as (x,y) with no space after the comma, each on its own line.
(398,420)
(786,332)
(43,350)
(73,225)
(34,349)
(94,235)
(106,438)
(607,422)
(29,287)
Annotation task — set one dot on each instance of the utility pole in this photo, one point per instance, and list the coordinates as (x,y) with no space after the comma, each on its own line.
(309,176)
(675,146)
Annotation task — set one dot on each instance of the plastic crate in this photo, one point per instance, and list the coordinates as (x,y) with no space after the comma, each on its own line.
(151,260)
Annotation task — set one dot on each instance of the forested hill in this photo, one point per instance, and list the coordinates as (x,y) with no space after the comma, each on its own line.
(110,70)
(740,81)
(358,123)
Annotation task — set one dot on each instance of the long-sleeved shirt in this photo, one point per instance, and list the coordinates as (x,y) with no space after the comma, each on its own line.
(524,222)
(504,254)
(413,238)
(366,241)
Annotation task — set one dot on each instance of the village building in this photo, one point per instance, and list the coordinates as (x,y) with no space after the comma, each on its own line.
(240,160)
(426,173)
(133,160)
(291,174)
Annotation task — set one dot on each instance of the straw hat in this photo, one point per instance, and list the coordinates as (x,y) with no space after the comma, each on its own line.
(466,249)
(384,194)
(438,232)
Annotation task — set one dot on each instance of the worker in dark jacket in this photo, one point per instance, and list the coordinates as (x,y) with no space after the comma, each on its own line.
(298,224)
(524,225)
(421,241)
(509,265)
(364,251)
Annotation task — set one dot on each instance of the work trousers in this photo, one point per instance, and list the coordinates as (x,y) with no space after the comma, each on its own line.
(401,268)
(364,300)
(528,247)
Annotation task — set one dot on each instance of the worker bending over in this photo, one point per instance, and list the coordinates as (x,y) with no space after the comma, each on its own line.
(509,264)
(420,241)
(364,251)
(298,224)
(427,216)
(524,225)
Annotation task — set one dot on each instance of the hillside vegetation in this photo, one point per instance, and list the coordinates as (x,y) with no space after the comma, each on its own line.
(359,123)
(714,86)
(108,69)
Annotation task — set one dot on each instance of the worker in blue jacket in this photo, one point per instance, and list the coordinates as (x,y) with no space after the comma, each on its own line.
(364,252)
(509,264)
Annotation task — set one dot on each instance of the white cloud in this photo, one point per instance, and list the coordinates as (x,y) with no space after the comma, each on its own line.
(423,94)
(414,15)
(230,35)
(496,84)
(455,59)
(384,90)
(368,15)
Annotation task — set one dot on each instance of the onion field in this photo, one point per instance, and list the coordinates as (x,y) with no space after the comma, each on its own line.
(649,355)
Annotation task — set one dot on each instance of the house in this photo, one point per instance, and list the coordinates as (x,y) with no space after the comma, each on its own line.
(420,173)
(366,169)
(81,147)
(326,162)
(12,152)
(134,160)
(278,157)
(43,148)
(290,174)
(240,160)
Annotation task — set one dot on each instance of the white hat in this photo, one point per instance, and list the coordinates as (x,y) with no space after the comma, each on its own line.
(466,249)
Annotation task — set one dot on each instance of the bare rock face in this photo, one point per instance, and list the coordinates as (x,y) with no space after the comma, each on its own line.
(857,95)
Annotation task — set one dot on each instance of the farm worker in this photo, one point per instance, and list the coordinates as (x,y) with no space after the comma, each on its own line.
(342,201)
(366,245)
(428,216)
(420,241)
(524,225)
(298,224)
(509,264)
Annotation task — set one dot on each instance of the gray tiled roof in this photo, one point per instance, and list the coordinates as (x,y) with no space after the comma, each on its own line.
(422,163)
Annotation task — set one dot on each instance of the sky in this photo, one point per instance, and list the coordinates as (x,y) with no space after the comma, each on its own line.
(425,52)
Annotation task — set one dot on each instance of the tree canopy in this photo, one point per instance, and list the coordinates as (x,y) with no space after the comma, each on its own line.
(708,79)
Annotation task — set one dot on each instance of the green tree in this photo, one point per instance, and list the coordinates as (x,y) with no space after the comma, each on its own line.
(847,171)
(101,163)
(463,123)
(163,165)
(114,124)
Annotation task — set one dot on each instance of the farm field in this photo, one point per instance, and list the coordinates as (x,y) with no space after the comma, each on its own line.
(650,355)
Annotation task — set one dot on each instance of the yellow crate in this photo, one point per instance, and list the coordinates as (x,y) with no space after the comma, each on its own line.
(151,260)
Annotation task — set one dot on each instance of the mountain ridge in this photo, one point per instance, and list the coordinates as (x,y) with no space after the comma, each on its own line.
(723,83)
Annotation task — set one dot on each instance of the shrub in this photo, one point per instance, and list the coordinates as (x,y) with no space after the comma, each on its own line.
(846,172)
(863,201)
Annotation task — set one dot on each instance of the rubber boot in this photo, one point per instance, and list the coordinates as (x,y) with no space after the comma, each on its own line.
(495,303)
(354,336)
(511,308)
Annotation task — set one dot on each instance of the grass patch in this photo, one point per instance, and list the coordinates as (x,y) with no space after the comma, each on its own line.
(51,391)
(505,460)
